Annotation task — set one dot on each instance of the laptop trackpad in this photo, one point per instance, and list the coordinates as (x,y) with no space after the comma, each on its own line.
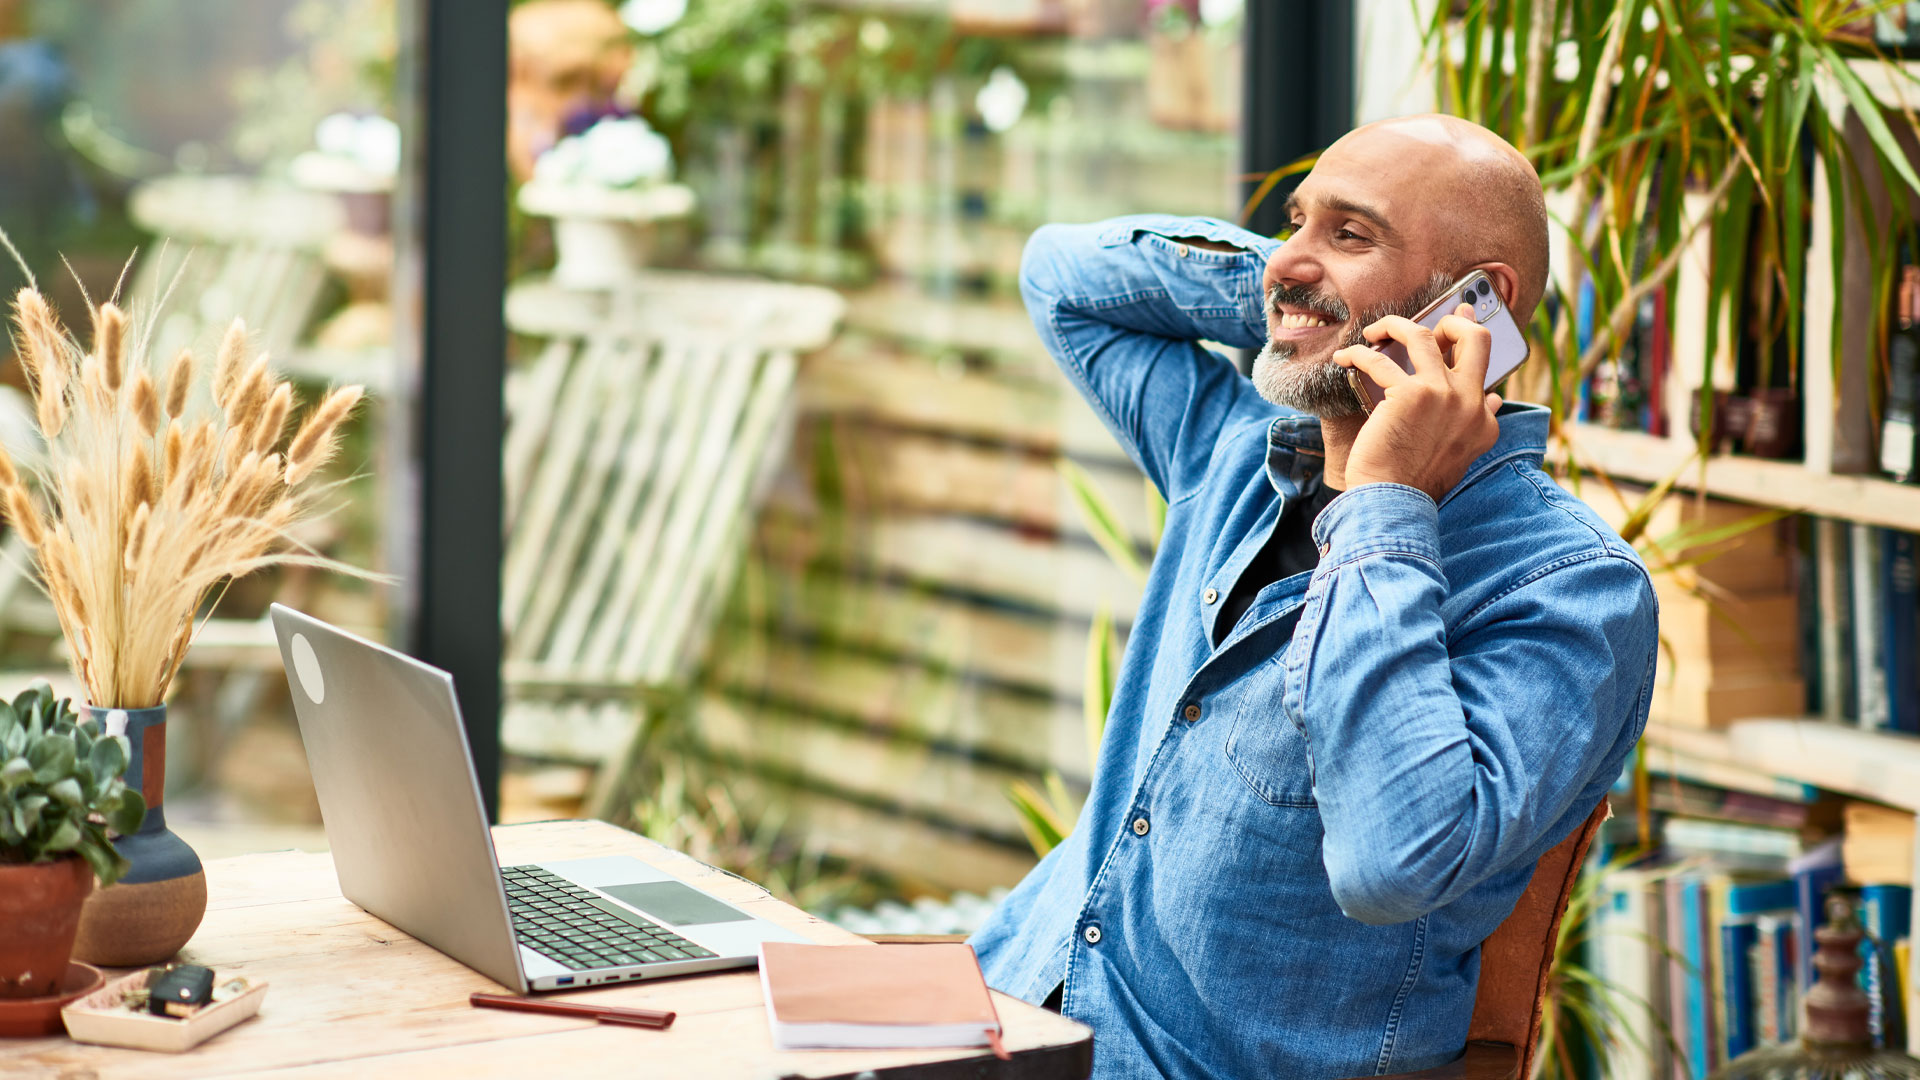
(674,903)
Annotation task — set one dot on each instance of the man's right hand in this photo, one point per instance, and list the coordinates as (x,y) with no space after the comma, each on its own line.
(1434,422)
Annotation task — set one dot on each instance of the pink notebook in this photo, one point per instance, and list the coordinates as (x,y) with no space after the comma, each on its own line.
(830,997)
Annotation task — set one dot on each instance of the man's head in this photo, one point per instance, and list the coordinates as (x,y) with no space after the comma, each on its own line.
(1390,216)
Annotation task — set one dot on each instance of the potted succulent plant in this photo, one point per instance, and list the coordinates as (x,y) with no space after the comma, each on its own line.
(60,792)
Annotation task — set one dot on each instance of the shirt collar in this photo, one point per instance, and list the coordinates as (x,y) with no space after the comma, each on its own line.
(1523,434)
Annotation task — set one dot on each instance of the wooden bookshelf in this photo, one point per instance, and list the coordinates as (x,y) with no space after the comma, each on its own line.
(1649,459)
(1882,766)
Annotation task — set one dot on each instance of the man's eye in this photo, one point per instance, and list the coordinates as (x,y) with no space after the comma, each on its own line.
(1347,234)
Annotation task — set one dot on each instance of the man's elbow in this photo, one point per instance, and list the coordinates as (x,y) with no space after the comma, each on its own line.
(1379,893)
(1044,264)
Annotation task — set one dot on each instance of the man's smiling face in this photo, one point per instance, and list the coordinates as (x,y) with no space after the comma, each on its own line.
(1387,219)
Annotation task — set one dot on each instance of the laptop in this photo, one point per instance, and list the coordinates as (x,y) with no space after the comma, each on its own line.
(410,843)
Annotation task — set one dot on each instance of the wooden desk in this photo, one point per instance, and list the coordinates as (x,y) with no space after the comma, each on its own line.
(350,996)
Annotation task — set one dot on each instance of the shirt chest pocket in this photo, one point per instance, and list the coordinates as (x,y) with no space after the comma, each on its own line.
(1266,748)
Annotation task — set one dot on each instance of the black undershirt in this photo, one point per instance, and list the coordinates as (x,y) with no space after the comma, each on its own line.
(1289,550)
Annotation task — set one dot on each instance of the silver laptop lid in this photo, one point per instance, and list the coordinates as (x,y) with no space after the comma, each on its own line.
(397,792)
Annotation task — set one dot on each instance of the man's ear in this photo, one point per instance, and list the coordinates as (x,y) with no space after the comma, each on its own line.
(1505,281)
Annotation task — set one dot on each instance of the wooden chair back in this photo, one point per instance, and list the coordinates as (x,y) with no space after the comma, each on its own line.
(226,247)
(1516,962)
(638,442)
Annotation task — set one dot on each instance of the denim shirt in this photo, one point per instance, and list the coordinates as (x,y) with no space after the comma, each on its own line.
(1296,842)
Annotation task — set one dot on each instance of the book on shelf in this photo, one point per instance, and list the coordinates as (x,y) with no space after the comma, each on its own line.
(1629,941)
(1877,844)
(1900,638)
(1814,872)
(1886,913)
(1869,629)
(1696,800)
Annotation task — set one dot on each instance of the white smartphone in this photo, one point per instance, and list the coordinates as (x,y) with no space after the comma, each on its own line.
(1509,344)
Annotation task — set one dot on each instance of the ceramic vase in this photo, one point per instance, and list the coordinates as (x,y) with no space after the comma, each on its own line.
(151,912)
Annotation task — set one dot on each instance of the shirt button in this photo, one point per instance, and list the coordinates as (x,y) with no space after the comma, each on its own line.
(1193,712)
(1182,250)
(1140,826)
(1209,596)
(1093,935)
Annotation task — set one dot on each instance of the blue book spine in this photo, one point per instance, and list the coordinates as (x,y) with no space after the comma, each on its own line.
(1901,646)
(1784,961)
(1736,982)
(1887,915)
(1753,899)
(1693,945)
(1809,895)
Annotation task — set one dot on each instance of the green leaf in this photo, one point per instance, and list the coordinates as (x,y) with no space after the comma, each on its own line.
(9,720)
(1871,118)
(125,816)
(108,864)
(27,812)
(65,837)
(1103,652)
(109,756)
(14,773)
(68,791)
(52,758)
(1096,513)
(1042,822)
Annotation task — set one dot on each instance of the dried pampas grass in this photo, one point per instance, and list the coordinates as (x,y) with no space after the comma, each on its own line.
(143,510)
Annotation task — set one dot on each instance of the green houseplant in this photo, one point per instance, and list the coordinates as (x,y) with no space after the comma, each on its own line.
(60,792)
(1650,120)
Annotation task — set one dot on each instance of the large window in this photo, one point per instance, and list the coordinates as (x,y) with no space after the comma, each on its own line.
(200,163)
(880,618)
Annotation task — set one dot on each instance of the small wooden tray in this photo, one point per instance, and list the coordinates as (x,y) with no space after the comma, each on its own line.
(101,1018)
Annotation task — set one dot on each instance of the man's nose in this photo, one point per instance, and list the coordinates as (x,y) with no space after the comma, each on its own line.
(1292,263)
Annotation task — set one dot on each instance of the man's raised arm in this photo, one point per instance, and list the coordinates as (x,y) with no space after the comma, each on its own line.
(1121,305)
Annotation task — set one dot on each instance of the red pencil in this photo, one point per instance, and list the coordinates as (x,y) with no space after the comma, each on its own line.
(610,1014)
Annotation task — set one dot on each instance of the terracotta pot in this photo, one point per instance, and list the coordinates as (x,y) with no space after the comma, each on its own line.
(39,915)
(156,907)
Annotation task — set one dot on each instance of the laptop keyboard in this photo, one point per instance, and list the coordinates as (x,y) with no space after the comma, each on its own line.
(584,930)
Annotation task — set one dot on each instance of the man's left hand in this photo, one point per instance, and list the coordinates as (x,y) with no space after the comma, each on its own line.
(1434,422)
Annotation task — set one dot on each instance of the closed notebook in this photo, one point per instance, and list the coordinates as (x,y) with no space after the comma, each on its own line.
(830,997)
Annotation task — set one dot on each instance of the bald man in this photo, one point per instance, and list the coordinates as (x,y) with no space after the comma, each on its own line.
(1383,662)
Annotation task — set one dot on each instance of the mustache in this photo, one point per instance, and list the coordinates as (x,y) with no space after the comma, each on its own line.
(1334,310)
(1307,298)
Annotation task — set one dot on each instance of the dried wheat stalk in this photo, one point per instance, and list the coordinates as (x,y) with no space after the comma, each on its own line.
(144,510)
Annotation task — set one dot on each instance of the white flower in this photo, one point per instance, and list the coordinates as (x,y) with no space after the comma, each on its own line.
(371,142)
(652,16)
(377,145)
(612,153)
(1002,100)
(1215,12)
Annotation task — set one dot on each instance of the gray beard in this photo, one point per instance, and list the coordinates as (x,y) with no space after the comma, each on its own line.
(1320,388)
